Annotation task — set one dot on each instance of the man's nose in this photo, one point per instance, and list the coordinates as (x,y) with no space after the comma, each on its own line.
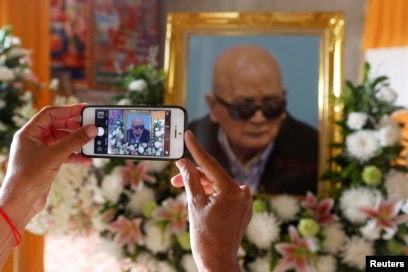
(258,116)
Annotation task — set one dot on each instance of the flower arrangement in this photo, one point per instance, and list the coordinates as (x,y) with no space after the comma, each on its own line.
(17,82)
(366,213)
(144,221)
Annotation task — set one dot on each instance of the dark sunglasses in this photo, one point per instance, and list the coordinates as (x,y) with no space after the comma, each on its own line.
(245,110)
(138,127)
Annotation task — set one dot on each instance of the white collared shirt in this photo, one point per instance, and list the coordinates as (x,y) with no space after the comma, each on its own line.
(250,173)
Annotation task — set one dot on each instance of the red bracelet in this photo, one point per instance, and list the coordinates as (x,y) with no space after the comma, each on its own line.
(17,236)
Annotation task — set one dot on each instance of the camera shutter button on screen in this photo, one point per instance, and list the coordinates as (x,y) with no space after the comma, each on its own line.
(101,131)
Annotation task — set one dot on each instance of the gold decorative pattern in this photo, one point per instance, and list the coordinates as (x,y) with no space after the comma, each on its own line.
(328,26)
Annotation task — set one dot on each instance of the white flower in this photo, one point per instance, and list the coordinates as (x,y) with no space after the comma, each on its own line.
(18,52)
(13,41)
(137,85)
(137,200)
(387,94)
(27,97)
(334,238)
(263,229)
(362,145)
(285,206)
(325,263)
(112,185)
(141,149)
(164,266)
(158,144)
(369,231)
(353,199)
(6,74)
(156,166)
(397,185)
(354,252)
(112,248)
(260,264)
(156,240)
(100,162)
(357,120)
(188,263)
(147,260)
(54,83)
(389,135)
(124,101)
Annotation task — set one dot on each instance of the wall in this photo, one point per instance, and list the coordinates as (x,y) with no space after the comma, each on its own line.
(353,9)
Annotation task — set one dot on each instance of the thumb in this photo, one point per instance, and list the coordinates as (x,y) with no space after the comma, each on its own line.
(75,141)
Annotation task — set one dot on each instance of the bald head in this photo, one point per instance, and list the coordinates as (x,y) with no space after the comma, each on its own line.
(242,62)
(246,75)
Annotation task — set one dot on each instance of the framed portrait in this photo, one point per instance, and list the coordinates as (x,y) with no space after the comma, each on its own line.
(308,46)
(68,39)
(121,33)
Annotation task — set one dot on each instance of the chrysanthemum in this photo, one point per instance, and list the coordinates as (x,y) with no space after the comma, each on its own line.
(355,250)
(138,199)
(356,120)
(156,240)
(260,265)
(352,200)
(389,135)
(325,263)
(397,185)
(111,186)
(285,206)
(362,145)
(263,229)
(334,238)
(188,263)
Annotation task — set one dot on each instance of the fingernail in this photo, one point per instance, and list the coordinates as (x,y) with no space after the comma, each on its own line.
(91,131)
(180,164)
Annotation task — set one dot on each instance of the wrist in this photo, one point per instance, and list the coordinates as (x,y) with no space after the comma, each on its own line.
(17,206)
(217,264)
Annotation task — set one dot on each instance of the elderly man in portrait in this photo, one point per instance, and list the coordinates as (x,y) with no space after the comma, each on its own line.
(248,129)
(137,132)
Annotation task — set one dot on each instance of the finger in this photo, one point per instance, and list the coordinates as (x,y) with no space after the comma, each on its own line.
(191,178)
(209,166)
(49,115)
(177,181)
(69,124)
(74,141)
(55,136)
(77,158)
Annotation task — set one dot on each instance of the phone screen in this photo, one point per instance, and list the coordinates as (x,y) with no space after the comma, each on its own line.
(129,132)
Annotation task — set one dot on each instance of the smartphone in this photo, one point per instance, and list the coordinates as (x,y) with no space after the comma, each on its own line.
(136,132)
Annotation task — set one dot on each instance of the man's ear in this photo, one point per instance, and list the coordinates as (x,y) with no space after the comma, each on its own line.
(284,92)
(211,102)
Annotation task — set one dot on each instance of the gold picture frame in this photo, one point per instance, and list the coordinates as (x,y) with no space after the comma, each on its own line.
(322,33)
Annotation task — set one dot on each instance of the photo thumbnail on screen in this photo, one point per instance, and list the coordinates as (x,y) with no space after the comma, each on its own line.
(133,132)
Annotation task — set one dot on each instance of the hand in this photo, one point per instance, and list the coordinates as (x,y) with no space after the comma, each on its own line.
(51,138)
(219,210)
